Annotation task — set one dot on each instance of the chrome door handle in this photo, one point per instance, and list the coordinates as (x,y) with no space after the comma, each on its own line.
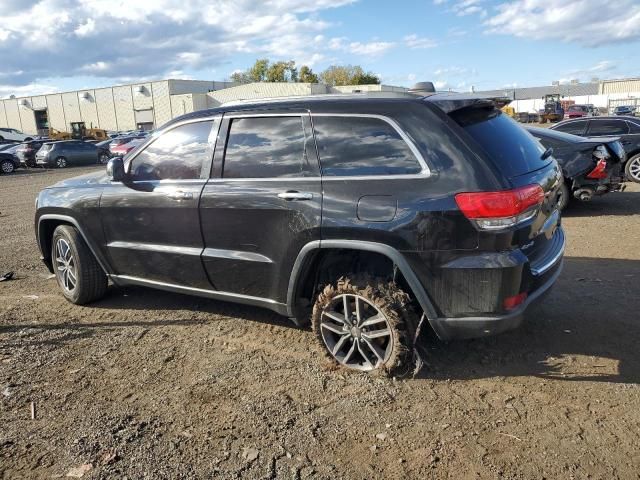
(295,195)
(180,195)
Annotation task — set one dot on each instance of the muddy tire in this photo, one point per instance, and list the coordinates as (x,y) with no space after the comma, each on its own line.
(77,271)
(365,324)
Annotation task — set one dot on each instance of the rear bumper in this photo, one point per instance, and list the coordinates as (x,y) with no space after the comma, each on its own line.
(534,278)
(476,327)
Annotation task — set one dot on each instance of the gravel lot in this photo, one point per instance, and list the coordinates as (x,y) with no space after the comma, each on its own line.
(146,384)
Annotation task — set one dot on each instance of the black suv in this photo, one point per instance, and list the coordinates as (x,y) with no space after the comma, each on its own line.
(628,129)
(358,213)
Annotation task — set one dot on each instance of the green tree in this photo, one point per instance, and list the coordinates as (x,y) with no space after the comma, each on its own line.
(282,72)
(338,75)
(258,72)
(306,75)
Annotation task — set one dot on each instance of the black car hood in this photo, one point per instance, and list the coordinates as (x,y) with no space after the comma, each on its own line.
(89,180)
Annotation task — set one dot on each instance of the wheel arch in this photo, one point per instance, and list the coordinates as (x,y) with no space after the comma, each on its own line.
(48,223)
(303,268)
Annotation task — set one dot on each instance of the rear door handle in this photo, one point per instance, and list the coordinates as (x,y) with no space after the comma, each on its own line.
(180,195)
(292,195)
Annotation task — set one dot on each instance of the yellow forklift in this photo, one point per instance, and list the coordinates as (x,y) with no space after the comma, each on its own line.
(79,131)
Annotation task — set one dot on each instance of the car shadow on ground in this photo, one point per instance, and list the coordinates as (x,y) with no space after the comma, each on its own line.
(587,329)
(611,204)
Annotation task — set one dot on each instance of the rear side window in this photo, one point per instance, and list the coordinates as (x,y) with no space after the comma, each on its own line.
(354,146)
(575,128)
(178,154)
(633,127)
(513,150)
(267,147)
(608,127)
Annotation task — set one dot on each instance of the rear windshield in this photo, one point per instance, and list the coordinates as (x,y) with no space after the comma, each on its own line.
(513,150)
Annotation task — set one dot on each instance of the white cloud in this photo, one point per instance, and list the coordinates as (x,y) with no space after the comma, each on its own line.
(23,90)
(587,22)
(371,48)
(150,38)
(415,42)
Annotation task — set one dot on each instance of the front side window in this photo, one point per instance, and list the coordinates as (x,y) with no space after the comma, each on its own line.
(355,146)
(608,127)
(178,154)
(267,147)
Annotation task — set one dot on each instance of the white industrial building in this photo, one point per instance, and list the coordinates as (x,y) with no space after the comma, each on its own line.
(125,107)
(144,105)
(605,94)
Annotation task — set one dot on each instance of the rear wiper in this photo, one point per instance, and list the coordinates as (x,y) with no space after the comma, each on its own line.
(547,153)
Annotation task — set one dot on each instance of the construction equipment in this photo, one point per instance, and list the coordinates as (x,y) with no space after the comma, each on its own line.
(79,131)
(58,135)
(509,110)
(553,111)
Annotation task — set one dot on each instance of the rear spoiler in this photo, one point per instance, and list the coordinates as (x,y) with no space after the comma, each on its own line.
(449,103)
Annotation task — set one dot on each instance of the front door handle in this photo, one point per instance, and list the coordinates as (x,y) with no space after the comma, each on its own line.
(293,195)
(180,195)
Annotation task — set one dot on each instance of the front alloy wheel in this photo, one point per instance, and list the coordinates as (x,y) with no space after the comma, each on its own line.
(61,162)
(65,266)
(633,169)
(104,158)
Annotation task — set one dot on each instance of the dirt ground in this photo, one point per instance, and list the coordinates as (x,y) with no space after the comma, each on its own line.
(146,384)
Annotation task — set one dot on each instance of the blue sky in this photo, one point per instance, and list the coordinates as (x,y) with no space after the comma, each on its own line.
(49,45)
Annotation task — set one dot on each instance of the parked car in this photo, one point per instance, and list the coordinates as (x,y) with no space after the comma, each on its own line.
(624,110)
(4,145)
(104,154)
(124,148)
(627,129)
(357,214)
(116,142)
(13,134)
(67,153)
(8,161)
(578,111)
(590,166)
(26,152)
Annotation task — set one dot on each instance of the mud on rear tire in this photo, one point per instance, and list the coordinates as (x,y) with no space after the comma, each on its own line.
(389,300)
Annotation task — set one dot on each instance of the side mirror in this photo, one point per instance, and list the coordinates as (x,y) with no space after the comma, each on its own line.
(115,169)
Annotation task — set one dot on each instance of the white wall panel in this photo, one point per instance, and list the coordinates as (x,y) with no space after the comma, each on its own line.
(123,100)
(106,109)
(13,114)
(89,108)
(161,103)
(27,120)
(71,108)
(3,115)
(55,112)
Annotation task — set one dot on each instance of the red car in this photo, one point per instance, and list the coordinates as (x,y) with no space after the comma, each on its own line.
(577,111)
(124,148)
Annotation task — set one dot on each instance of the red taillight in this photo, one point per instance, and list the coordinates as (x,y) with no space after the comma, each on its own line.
(512,302)
(600,171)
(494,210)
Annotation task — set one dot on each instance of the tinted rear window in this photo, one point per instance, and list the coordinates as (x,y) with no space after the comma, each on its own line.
(608,127)
(513,150)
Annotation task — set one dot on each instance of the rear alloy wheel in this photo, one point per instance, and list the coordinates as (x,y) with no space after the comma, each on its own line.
(632,169)
(61,162)
(104,158)
(78,273)
(7,166)
(364,327)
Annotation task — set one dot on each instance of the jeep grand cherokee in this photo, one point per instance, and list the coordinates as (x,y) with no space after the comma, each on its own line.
(358,214)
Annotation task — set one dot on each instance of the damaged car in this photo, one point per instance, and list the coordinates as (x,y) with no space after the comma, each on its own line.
(367,217)
(590,166)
